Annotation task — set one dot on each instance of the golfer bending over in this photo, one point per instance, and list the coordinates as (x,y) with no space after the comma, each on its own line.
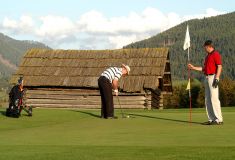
(212,70)
(108,81)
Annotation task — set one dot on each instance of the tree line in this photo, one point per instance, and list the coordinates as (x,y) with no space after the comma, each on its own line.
(220,29)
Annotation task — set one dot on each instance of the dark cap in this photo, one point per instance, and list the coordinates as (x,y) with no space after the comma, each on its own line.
(208,43)
(20,80)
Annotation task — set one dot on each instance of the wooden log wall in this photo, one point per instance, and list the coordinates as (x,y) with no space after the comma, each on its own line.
(79,98)
(156,99)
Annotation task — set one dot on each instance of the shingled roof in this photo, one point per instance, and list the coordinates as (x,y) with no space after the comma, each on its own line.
(81,68)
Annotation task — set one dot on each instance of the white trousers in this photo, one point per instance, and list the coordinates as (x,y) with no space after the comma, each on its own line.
(212,102)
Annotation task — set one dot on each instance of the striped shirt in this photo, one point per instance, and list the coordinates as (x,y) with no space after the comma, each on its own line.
(112,73)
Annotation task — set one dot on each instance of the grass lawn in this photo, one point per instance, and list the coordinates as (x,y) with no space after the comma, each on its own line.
(71,134)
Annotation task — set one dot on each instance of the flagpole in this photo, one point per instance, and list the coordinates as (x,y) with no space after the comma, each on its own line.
(189,92)
(187,46)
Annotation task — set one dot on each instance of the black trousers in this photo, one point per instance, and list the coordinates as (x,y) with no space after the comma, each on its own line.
(107,108)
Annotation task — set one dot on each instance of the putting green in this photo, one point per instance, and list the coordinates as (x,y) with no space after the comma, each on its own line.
(80,134)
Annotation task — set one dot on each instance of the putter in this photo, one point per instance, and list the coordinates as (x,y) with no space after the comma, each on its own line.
(121,109)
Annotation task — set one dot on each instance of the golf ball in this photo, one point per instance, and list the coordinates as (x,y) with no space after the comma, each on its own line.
(128,116)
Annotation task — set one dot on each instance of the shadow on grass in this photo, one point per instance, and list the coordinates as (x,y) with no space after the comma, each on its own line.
(166,119)
(139,115)
(3,113)
(88,113)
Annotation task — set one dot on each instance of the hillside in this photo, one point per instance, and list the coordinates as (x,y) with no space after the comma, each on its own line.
(11,51)
(221,29)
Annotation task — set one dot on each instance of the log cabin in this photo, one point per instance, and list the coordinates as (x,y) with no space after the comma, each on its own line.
(68,78)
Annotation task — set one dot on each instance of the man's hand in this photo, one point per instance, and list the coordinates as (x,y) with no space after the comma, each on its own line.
(116,92)
(190,66)
(115,86)
(215,83)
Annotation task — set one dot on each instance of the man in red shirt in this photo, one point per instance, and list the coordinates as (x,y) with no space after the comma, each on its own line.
(212,70)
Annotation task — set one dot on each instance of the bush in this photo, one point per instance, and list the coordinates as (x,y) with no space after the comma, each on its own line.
(227,92)
(180,96)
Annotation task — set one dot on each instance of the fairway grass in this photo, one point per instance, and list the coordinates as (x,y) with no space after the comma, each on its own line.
(71,134)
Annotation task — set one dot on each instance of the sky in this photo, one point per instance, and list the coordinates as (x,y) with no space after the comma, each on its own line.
(100,24)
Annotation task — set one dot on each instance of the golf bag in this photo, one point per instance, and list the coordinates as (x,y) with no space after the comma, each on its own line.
(13,109)
(16,103)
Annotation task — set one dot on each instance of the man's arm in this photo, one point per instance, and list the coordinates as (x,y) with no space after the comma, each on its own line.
(190,66)
(219,70)
(115,86)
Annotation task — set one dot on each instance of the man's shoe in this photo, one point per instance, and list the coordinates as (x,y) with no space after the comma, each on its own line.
(213,123)
(219,123)
(114,117)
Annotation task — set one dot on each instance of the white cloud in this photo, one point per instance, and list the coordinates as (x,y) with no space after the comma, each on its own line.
(93,30)
(55,26)
(150,19)
(120,41)
(8,23)
(56,30)
(23,26)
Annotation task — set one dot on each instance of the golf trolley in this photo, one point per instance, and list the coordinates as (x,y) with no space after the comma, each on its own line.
(15,108)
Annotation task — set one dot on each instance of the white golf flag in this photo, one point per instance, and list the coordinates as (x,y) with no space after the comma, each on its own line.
(187,39)
(188,86)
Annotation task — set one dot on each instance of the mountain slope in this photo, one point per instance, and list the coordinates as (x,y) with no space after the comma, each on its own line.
(220,29)
(11,51)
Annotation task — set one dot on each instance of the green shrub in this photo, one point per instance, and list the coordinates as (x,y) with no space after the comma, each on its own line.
(180,96)
(227,92)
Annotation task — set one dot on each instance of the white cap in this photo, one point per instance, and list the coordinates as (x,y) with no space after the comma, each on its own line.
(127,68)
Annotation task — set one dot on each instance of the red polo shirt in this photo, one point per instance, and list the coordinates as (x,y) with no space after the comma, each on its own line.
(212,60)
